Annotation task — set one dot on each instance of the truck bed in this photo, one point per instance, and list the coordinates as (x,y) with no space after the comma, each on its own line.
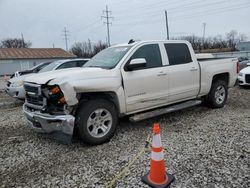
(214,66)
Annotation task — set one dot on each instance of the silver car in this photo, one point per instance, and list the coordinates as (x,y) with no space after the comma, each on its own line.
(14,86)
(244,64)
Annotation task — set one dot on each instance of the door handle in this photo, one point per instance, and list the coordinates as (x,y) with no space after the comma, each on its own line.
(193,69)
(161,74)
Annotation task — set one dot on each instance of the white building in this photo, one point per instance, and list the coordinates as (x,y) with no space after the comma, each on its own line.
(17,59)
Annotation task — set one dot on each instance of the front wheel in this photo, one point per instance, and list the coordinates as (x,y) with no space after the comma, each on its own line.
(96,121)
(217,96)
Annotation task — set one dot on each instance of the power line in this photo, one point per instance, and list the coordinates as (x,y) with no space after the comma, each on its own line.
(66,37)
(191,6)
(211,12)
(198,4)
(186,7)
(156,4)
(107,16)
(85,27)
(195,15)
(154,8)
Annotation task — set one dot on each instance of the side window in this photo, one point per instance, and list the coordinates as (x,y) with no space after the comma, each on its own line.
(178,54)
(151,53)
(81,63)
(68,65)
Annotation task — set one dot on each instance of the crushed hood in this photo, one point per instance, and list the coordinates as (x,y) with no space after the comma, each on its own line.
(73,79)
(59,76)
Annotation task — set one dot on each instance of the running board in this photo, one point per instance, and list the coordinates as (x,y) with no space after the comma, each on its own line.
(161,111)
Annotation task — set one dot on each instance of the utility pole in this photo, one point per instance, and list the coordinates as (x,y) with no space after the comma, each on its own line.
(22,40)
(66,37)
(107,16)
(203,36)
(166,16)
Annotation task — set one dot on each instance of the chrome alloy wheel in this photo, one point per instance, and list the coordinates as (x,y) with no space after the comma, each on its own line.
(99,123)
(220,94)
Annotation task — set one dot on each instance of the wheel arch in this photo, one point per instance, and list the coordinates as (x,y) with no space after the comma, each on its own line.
(107,95)
(221,76)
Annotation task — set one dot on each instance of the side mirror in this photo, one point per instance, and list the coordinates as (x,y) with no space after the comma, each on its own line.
(136,64)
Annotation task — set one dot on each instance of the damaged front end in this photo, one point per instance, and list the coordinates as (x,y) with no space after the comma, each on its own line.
(47,111)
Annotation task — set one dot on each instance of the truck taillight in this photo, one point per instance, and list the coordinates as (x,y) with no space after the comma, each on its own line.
(238,67)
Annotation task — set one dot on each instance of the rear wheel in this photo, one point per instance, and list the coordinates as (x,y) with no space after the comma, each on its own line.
(217,96)
(96,121)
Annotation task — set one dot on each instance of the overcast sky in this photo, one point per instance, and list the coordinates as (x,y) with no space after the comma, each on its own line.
(42,21)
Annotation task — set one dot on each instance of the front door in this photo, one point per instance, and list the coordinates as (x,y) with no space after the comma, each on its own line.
(146,87)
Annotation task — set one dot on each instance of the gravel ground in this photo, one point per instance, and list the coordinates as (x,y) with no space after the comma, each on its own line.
(204,148)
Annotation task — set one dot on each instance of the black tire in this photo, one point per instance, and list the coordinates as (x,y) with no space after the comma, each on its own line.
(88,111)
(212,99)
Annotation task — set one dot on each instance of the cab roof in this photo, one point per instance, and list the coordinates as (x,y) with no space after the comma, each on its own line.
(148,41)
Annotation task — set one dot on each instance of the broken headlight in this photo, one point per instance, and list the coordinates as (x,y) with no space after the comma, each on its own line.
(54,94)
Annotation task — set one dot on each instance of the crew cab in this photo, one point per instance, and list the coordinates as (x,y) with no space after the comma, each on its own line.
(138,79)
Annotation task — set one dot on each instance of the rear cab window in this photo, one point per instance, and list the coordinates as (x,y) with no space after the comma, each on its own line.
(178,53)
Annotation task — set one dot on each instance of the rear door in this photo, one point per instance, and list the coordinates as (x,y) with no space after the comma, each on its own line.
(183,72)
(146,87)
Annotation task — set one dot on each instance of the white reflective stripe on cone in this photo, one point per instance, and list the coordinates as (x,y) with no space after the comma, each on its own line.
(157,156)
(156,143)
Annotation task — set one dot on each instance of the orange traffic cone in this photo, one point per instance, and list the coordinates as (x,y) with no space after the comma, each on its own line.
(5,78)
(157,177)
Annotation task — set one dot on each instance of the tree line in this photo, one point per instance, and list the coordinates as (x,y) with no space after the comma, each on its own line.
(80,49)
(87,49)
(226,43)
(15,43)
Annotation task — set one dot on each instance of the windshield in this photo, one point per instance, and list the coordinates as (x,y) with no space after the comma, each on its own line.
(50,67)
(108,58)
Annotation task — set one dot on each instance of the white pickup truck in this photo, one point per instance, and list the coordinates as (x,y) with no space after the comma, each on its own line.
(139,79)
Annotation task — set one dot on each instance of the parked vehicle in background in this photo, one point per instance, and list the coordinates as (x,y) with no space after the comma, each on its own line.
(242,58)
(244,76)
(139,79)
(64,64)
(244,64)
(34,69)
(14,86)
